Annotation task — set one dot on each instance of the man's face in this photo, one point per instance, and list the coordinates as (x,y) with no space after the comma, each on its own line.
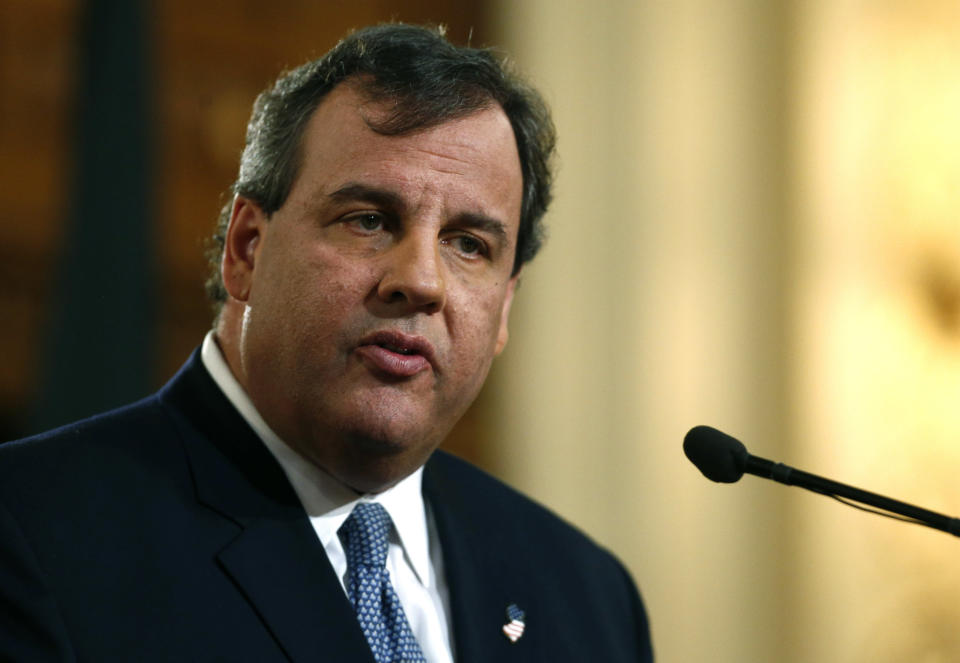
(374,300)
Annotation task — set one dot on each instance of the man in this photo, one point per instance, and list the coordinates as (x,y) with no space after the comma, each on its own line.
(282,497)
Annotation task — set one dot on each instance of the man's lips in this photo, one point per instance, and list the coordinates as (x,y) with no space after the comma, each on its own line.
(397,354)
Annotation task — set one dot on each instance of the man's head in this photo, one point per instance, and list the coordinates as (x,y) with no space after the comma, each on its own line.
(428,81)
(386,202)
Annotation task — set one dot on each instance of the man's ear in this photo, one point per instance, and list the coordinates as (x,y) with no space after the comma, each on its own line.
(504,333)
(241,246)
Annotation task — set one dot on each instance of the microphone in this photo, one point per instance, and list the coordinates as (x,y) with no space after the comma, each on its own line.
(724,459)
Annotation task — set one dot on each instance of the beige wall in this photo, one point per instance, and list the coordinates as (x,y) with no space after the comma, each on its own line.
(657,304)
(878,321)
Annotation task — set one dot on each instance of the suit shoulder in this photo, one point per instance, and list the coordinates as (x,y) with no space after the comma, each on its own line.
(506,512)
(91,448)
(100,426)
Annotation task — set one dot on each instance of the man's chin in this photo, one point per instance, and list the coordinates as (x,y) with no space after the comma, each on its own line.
(371,463)
(373,466)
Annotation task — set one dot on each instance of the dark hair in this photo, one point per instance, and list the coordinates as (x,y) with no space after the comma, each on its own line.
(429,81)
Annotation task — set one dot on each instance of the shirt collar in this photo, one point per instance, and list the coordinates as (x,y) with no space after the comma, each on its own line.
(326,500)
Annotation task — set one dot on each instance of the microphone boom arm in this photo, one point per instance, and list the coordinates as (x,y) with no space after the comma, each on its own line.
(785,474)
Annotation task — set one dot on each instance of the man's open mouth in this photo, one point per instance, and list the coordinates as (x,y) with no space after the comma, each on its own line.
(397,354)
(399,349)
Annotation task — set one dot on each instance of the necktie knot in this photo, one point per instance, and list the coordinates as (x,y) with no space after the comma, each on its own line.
(366,536)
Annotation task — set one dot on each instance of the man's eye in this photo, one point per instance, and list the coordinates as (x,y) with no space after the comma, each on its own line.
(368,222)
(469,245)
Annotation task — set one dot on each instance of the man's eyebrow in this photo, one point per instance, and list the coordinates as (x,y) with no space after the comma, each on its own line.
(365,193)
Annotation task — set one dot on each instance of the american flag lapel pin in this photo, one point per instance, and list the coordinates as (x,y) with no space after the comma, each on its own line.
(513,629)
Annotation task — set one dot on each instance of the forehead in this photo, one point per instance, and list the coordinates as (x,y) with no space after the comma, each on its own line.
(472,159)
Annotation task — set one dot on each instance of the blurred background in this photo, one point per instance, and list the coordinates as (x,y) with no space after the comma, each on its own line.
(756,227)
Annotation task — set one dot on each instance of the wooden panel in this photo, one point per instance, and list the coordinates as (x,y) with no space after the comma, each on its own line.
(35,79)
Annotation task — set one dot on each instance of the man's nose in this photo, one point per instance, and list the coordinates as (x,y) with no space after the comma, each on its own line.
(414,274)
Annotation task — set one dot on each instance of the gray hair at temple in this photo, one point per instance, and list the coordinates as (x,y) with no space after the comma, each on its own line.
(429,81)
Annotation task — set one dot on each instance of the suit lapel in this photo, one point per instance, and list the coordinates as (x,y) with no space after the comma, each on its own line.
(481,579)
(276,561)
(293,588)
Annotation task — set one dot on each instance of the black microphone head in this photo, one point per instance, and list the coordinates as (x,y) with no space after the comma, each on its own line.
(719,456)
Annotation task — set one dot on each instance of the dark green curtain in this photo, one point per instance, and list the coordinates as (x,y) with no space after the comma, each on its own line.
(99,344)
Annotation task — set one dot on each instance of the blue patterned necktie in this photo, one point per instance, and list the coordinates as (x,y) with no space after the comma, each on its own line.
(377,605)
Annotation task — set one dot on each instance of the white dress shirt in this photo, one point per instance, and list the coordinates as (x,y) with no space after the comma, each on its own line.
(414,560)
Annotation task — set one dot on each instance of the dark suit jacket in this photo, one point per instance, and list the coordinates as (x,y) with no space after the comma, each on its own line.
(165,531)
